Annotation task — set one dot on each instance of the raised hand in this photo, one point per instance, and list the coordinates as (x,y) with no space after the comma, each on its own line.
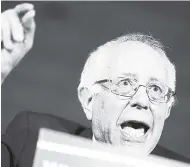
(17,36)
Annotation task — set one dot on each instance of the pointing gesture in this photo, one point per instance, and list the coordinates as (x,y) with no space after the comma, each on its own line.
(17,35)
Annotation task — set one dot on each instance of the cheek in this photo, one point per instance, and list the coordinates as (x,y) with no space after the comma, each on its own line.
(159,115)
(159,112)
(106,111)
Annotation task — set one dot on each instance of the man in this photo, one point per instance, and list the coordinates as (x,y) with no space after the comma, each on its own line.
(127,90)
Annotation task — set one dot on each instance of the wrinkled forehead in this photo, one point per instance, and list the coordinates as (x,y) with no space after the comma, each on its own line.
(135,58)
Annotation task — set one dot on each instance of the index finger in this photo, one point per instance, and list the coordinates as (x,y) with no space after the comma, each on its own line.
(23,7)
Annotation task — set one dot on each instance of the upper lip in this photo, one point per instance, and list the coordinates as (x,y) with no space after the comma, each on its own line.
(135,124)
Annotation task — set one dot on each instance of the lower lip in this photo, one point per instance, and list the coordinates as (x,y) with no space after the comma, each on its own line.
(128,138)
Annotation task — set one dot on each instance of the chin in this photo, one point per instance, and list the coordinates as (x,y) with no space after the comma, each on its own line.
(141,147)
(137,148)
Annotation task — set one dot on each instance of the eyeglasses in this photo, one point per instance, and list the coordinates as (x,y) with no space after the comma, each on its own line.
(126,88)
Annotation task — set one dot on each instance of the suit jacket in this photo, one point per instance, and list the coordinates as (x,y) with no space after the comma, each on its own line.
(20,138)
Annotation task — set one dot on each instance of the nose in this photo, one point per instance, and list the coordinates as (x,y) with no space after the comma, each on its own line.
(140,100)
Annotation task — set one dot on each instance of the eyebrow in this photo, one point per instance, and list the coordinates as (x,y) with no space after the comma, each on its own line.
(128,75)
(154,79)
(133,75)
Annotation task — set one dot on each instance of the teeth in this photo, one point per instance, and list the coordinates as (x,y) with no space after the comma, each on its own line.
(134,132)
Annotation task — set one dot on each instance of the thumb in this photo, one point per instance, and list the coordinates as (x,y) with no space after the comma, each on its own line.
(28,20)
(29,27)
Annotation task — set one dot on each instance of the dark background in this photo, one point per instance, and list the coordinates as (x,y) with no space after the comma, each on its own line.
(47,79)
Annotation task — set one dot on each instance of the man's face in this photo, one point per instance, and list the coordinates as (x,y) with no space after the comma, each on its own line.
(134,122)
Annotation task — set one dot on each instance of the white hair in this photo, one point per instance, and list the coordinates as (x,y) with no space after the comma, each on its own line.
(96,61)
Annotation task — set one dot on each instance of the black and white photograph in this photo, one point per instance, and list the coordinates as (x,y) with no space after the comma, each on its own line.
(95,83)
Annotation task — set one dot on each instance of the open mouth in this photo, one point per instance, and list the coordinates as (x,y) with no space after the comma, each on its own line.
(135,130)
(136,125)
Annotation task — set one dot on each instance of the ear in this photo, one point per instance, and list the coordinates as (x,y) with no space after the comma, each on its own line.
(85,98)
(168,112)
(170,104)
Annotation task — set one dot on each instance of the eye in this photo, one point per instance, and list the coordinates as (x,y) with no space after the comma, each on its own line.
(156,89)
(124,82)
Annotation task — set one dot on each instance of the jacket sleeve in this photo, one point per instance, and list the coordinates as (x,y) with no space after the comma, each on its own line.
(13,141)
(6,158)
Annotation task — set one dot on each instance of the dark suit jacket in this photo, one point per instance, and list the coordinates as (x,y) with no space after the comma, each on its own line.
(20,138)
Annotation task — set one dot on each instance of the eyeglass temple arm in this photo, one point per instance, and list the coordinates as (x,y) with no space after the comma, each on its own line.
(102,81)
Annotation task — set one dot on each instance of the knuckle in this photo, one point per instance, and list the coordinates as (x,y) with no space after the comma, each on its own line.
(8,12)
(19,6)
(8,15)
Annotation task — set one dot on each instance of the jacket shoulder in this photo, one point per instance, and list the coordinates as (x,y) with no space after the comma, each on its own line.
(22,133)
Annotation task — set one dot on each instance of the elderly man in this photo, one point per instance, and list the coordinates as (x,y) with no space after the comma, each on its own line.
(127,90)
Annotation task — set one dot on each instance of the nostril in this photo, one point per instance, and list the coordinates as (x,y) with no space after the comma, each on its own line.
(139,106)
(145,107)
(134,105)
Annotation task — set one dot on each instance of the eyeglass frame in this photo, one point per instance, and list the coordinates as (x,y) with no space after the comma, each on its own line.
(172,93)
